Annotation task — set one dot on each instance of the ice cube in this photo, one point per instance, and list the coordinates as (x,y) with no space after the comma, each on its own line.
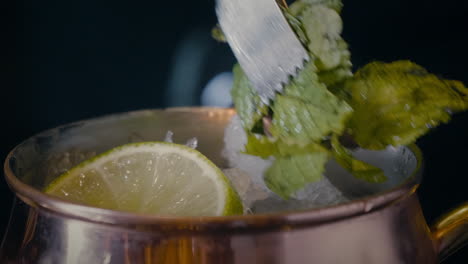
(235,139)
(396,163)
(192,143)
(239,179)
(247,178)
(315,195)
(168,137)
(320,193)
(248,191)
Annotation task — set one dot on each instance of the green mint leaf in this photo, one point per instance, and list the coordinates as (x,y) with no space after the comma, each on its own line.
(265,147)
(357,168)
(296,25)
(248,104)
(322,27)
(217,33)
(289,174)
(395,103)
(335,78)
(307,112)
(336,5)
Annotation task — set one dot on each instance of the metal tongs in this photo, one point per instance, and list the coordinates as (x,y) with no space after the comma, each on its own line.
(264,44)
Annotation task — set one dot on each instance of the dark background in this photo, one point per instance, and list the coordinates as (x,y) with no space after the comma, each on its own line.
(66,60)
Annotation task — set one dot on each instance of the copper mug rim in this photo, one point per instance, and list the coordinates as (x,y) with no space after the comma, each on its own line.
(38,199)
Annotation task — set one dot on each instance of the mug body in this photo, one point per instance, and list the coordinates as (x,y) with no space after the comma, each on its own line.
(384,224)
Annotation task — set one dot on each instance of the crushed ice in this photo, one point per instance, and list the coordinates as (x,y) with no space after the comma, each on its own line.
(191,143)
(246,174)
(248,191)
(168,137)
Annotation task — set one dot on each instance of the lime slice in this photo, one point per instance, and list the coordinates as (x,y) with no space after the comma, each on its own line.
(153,178)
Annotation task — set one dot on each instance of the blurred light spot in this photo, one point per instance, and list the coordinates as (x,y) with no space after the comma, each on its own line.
(217,91)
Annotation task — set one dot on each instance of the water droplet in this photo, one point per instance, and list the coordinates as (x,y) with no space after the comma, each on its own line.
(64,192)
(192,143)
(168,137)
(150,162)
(128,172)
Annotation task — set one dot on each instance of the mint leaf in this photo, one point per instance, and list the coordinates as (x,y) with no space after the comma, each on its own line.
(289,174)
(296,25)
(323,27)
(382,104)
(395,103)
(218,34)
(307,112)
(336,5)
(334,78)
(265,147)
(328,50)
(248,104)
(357,168)
(298,121)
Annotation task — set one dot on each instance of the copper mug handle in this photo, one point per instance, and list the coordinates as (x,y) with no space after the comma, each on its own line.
(450,232)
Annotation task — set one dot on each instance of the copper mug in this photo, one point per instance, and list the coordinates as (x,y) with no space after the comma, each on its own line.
(384,225)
